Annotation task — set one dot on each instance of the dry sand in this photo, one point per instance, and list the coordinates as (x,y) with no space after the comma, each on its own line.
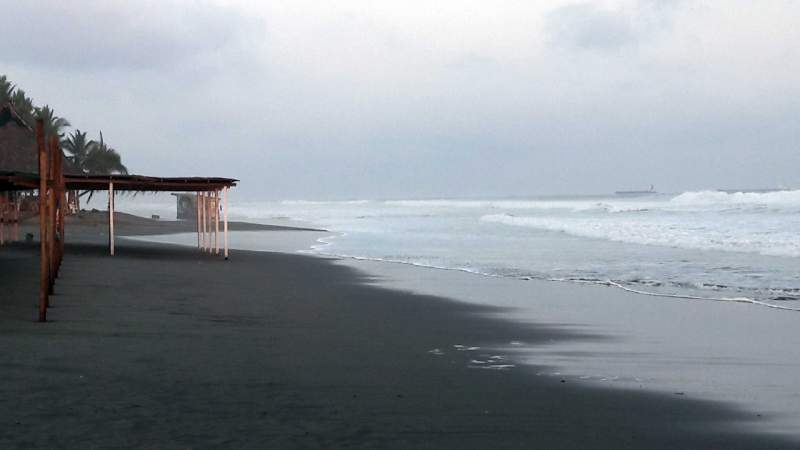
(163,347)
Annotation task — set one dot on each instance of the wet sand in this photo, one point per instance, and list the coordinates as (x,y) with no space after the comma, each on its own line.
(163,347)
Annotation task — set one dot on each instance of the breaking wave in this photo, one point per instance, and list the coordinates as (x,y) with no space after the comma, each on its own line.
(319,203)
(661,232)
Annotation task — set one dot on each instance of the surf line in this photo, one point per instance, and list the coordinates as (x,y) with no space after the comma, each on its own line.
(694,297)
(326,241)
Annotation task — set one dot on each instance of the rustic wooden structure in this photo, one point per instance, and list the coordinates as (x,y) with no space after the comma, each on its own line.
(208,191)
(31,161)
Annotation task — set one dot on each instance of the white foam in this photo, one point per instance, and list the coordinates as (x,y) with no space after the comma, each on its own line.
(664,231)
(695,297)
(319,202)
(777,199)
(621,205)
(441,233)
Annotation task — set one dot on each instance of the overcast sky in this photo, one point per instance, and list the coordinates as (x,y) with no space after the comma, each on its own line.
(371,99)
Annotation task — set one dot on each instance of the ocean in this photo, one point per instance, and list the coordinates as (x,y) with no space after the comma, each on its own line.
(720,270)
(712,246)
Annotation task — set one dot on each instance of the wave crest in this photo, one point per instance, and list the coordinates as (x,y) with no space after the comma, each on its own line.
(789,199)
(661,233)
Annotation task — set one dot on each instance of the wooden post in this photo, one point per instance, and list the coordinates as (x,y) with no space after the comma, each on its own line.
(16,217)
(216,222)
(205,221)
(197,209)
(225,212)
(51,209)
(111,217)
(202,207)
(2,219)
(51,234)
(43,276)
(63,205)
(206,241)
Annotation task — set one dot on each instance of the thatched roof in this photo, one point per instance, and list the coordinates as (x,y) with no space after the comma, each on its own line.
(17,143)
(18,150)
(19,166)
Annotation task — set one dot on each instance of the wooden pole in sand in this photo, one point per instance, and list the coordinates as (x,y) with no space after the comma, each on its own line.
(42,221)
(111,217)
(210,221)
(17,206)
(216,222)
(225,220)
(62,197)
(206,228)
(197,210)
(51,207)
(63,205)
(201,207)
(2,219)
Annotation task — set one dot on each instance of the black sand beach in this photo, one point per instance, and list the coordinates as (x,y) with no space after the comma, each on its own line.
(164,347)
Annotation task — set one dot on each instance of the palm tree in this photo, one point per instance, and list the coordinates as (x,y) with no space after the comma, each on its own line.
(103,160)
(52,123)
(6,90)
(92,157)
(23,105)
(78,148)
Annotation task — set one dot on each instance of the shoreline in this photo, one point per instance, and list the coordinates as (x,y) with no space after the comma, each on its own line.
(291,350)
(768,400)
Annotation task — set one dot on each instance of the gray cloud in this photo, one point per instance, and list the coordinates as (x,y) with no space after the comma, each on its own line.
(92,35)
(587,26)
(398,100)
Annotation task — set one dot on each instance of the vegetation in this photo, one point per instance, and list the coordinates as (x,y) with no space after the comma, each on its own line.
(53,125)
(93,157)
(87,155)
(6,89)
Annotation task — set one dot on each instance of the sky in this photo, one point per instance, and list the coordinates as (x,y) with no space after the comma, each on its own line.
(419,99)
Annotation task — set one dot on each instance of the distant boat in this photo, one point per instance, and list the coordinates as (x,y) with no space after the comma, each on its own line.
(650,191)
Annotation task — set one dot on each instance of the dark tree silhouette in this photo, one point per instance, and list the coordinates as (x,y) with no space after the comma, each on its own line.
(6,90)
(53,125)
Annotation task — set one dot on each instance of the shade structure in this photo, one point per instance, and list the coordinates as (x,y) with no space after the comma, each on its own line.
(147,184)
(18,181)
(31,161)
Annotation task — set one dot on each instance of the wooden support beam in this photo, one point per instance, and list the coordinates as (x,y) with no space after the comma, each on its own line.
(111,218)
(225,212)
(206,227)
(16,218)
(197,210)
(43,276)
(207,222)
(51,211)
(216,222)
(202,207)
(62,205)
(51,236)
(3,219)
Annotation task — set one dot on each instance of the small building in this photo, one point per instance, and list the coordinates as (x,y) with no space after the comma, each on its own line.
(187,206)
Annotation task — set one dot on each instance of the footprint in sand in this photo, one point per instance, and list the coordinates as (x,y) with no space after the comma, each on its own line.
(487,366)
(464,348)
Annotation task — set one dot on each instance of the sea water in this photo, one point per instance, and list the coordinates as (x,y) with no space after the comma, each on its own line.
(718,246)
(732,258)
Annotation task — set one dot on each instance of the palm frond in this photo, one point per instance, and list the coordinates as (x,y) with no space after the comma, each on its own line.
(6,89)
